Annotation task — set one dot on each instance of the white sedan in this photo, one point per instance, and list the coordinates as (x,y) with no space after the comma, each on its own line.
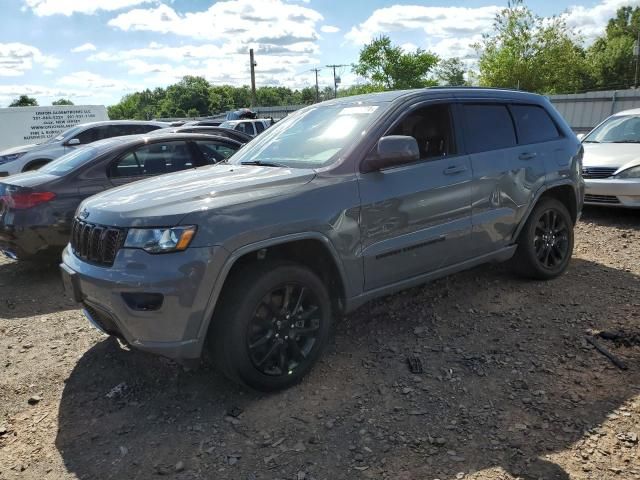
(611,164)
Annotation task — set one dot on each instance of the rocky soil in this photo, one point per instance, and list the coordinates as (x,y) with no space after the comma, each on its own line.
(510,388)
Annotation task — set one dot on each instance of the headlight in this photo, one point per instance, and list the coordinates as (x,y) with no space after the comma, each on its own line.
(160,240)
(10,158)
(633,172)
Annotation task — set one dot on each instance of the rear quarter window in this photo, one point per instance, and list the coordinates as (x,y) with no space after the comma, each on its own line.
(534,124)
(488,127)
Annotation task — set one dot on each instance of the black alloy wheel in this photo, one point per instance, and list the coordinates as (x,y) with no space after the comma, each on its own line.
(551,240)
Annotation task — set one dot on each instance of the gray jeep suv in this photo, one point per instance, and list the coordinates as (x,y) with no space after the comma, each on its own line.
(340,203)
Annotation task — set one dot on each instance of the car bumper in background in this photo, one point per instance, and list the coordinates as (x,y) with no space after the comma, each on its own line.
(155,303)
(24,243)
(614,193)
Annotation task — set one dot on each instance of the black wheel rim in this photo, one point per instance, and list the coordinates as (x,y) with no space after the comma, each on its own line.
(284,330)
(551,239)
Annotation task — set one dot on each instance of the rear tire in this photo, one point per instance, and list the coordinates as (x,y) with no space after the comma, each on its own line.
(272,324)
(545,244)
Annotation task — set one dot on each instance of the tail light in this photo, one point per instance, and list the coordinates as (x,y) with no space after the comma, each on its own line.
(22,200)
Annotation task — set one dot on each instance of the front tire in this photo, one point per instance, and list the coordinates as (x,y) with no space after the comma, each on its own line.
(272,324)
(545,244)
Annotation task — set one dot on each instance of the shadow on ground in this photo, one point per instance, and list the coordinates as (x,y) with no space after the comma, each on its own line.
(508,379)
(612,217)
(28,289)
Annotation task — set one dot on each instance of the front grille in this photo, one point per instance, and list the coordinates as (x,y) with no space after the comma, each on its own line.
(597,172)
(96,243)
(601,199)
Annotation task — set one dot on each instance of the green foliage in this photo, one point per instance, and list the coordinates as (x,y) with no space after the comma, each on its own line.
(451,72)
(24,101)
(611,56)
(388,66)
(62,101)
(531,53)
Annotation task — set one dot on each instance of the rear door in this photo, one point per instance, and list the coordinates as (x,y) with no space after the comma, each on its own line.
(152,159)
(416,218)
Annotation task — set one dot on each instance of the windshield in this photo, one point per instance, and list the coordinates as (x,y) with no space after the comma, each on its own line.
(70,161)
(226,125)
(310,138)
(61,136)
(618,129)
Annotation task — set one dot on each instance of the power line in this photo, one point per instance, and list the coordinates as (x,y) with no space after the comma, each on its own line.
(335,79)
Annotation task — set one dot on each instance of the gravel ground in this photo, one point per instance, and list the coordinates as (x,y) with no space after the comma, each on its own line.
(510,387)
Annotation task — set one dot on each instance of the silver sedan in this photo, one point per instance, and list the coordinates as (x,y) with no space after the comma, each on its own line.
(611,164)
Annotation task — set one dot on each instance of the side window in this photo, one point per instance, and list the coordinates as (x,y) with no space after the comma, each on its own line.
(153,159)
(245,127)
(259,127)
(488,127)
(138,129)
(88,136)
(214,152)
(432,128)
(534,124)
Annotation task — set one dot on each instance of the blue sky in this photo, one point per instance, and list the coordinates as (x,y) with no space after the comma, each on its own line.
(95,51)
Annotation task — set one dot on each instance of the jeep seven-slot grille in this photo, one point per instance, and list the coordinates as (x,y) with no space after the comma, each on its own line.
(597,172)
(96,243)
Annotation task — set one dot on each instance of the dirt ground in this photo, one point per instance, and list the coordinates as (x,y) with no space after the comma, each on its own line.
(510,387)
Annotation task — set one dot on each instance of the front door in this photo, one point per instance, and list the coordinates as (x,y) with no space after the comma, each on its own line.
(416,218)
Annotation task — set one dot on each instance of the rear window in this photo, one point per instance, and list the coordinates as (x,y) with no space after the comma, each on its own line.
(534,124)
(72,160)
(489,127)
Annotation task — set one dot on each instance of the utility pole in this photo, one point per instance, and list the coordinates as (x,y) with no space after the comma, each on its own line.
(335,79)
(253,78)
(636,53)
(317,88)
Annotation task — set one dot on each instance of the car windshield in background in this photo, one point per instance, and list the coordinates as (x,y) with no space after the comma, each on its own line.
(311,138)
(618,129)
(70,161)
(61,136)
(226,125)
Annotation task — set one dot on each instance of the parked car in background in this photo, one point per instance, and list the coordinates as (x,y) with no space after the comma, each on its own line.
(250,127)
(339,203)
(611,164)
(219,131)
(203,123)
(37,208)
(31,157)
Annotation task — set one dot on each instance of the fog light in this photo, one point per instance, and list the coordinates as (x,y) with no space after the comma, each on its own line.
(143,301)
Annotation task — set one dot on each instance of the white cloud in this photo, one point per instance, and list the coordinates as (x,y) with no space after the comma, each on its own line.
(91,81)
(85,47)
(329,29)
(591,21)
(17,58)
(69,7)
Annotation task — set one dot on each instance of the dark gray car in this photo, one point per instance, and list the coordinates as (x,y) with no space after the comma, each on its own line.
(37,208)
(337,204)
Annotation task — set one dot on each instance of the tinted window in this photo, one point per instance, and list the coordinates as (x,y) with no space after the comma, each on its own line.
(534,124)
(245,127)
(153,159)
(431,127)
(64,164)
(488,127)
(259,127)
(214,152)
(94,134)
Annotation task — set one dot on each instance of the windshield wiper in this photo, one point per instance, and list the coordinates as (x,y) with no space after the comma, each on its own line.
(590,141)
(262,163)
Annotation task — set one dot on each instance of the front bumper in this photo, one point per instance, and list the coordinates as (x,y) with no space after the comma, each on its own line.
(613,192)
(184,280)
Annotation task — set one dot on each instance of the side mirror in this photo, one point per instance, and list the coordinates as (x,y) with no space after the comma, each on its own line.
(392,151)
(580,136)
(73,141)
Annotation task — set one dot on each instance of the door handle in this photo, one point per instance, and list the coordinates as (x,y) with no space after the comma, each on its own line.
(527,156)
(453,169)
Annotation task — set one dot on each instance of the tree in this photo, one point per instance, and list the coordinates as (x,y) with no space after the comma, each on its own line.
(390,67)
(192,113)
(451,72)
(531,53)
(611,56)
(62,101)
(24,101)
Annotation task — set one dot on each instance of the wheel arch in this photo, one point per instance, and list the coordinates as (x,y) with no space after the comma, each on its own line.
(312,249)
(564,192)
(42,161)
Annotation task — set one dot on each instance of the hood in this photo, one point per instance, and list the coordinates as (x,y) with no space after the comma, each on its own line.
(165,200)
(21,148)
(613,155)
(29,179)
